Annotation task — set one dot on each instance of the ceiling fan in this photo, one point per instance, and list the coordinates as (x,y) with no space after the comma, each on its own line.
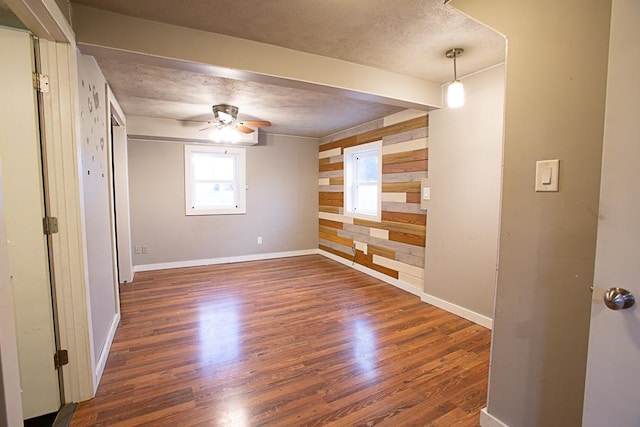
(226,117)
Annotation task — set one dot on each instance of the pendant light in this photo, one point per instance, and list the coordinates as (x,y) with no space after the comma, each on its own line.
(455,90)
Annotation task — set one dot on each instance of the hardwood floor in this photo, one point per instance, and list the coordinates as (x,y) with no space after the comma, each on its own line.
(286,342)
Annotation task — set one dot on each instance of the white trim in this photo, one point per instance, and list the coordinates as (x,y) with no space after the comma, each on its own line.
(61,135)
(352,182)
(239,157)
(110,102)
(104,354)
(465,313)
(488,420)
(44,19)
(118,149)
(222,260)
(458,311)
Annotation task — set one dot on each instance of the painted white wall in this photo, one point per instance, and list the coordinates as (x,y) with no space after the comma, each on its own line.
(282,203)
(465,170)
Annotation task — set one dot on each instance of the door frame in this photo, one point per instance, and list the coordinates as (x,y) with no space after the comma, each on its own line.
(40,99)
(58,54)
(120,193)
(63,168)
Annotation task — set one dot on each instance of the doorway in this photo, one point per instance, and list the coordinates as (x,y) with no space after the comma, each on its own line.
(120,183)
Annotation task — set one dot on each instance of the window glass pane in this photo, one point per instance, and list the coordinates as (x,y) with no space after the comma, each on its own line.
(367,169)
(367,198)
(213,167)
(214,180)
(214,194)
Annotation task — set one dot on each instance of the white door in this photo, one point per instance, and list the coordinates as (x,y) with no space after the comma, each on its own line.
(613,367)
(24,209)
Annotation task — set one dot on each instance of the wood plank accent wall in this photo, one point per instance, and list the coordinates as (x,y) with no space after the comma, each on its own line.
(395,246)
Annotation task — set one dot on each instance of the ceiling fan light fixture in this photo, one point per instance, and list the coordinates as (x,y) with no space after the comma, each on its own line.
(225,114)
(455,90)
(225,134)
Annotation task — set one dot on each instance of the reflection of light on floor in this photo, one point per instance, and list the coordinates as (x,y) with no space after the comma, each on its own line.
(364,348)
(219,332)
(235,415)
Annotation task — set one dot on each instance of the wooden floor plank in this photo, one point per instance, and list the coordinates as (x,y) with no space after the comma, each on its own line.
(286,342)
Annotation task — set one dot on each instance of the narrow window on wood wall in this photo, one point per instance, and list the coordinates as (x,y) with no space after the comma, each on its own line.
(214,180)
(362,184)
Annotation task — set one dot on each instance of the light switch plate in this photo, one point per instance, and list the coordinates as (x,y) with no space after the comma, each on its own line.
(426,193)
(425,190)
(547,175)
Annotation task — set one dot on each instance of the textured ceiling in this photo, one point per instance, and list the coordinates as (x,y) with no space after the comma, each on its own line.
(404,36)
(147,90)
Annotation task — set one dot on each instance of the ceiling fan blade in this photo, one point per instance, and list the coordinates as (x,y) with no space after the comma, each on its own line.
(244,129)
(206,128)
(255,123)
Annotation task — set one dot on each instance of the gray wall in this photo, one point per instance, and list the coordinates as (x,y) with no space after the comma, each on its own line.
(554,109)
(96,186)
(282,204)
(465,168)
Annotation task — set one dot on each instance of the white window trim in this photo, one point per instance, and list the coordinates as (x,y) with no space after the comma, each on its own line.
(349,154)
(240,180)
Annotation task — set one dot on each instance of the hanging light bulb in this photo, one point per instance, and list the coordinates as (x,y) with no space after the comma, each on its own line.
(455,90)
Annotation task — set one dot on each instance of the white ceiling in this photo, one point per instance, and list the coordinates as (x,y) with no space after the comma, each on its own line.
(407,37)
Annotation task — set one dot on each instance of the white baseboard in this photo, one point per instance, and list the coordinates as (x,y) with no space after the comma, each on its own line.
(476,318)
(222,260)
(429,299)
(104,353)
(488,420)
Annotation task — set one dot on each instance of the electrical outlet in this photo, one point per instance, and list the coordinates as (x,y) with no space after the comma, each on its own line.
(145,249)
(137,249)
(259,240)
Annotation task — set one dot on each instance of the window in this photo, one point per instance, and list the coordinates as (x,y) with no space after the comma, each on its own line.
(214,180)
(362,176)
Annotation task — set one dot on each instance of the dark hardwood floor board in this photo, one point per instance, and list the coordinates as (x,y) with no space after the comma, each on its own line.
(375,409)
(300,341)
